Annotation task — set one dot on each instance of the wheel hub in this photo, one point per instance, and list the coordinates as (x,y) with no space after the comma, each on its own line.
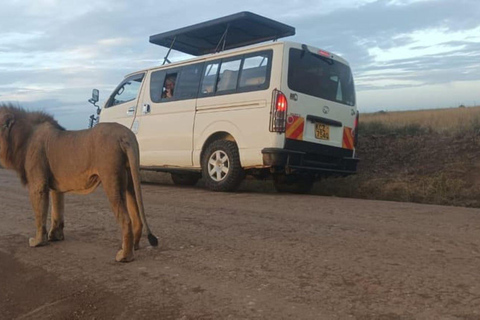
(218,165)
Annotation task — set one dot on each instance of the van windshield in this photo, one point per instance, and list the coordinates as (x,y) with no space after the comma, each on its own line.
(320,77)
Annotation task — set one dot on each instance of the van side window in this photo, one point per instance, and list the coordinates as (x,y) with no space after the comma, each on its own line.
(210,78)
(188,81)
(254,71)
(127,91)
(242,73)
(227,78)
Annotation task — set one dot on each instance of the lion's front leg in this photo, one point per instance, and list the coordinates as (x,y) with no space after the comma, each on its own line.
(58,207)
(39,200)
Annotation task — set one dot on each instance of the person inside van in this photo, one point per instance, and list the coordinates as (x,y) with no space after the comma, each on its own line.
(169,86)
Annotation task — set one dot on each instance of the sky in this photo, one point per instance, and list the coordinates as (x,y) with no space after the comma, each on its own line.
(404,54)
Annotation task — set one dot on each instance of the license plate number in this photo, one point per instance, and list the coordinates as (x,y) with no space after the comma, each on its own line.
(322,131)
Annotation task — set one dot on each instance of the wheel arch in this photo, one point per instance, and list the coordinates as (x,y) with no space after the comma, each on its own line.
(217,130)
(220,135)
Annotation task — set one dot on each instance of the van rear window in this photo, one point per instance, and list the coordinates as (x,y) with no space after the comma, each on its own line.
(320,77)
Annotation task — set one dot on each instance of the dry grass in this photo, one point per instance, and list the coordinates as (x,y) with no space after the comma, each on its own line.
(444,121)
(424,156)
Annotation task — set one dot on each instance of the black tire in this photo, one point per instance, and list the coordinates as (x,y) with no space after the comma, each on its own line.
(299,184)
(227,173)
(185,179)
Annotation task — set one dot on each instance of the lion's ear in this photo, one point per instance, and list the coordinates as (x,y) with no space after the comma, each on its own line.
(7,121)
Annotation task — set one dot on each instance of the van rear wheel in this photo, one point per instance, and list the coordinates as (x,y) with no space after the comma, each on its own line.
(221,168)
(185,179)
(300,184)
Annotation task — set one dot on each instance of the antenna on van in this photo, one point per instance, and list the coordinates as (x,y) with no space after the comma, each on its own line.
(168,53)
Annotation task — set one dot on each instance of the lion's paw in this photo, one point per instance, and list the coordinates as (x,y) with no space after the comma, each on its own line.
(33,242)
(56,235)
(121,257)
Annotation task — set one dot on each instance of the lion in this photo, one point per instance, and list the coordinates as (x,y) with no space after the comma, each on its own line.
(50,160)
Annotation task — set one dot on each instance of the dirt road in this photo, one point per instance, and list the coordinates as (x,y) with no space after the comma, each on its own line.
(245,255)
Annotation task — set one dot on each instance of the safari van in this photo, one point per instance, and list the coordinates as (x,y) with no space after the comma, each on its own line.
(242,106)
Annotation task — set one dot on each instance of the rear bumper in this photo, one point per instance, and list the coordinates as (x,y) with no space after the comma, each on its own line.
(304,156)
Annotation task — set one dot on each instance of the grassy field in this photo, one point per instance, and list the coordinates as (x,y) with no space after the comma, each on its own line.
(442,121)
(425,156)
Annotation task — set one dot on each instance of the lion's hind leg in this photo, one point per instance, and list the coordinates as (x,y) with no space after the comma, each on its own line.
(115,188)
(134,213)
(57,222)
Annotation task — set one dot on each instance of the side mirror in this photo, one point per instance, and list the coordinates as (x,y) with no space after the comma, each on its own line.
(95,95)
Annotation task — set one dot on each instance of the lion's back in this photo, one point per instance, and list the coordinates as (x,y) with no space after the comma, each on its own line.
(112,131)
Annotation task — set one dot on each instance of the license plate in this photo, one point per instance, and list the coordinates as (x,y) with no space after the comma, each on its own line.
(322,131)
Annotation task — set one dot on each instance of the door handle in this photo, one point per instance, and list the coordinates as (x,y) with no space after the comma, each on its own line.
(146,108)
(130,111)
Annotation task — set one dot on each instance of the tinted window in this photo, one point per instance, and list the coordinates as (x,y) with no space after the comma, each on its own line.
(188,82)
(227,78)
(157,80)
(126,91)
(321,77)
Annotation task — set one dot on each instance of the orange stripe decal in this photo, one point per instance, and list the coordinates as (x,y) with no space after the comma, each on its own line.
(298,133)
(292,127)
(347,138)
(295,127)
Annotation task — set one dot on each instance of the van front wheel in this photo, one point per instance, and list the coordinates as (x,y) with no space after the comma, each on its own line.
(221,168)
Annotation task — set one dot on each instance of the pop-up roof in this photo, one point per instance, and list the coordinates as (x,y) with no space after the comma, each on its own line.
(237,30)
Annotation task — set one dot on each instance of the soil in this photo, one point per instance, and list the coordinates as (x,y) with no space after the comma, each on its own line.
(429,168)
(244,255)
(420,155)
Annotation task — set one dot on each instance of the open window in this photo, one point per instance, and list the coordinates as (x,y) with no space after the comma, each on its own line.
(168,89)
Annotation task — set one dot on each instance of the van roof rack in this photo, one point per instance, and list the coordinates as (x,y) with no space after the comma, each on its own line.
(233,31)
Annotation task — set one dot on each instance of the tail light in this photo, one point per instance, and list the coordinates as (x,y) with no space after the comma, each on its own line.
(355,130)
(278,114)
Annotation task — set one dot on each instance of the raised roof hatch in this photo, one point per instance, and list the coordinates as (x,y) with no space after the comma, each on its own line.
(233,31)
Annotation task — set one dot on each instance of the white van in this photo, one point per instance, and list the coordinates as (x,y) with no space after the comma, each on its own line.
(279,109)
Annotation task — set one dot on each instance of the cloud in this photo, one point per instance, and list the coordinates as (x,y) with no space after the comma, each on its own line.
(415,36)
(51,52)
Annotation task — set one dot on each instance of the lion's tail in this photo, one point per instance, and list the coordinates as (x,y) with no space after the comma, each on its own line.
(133,156)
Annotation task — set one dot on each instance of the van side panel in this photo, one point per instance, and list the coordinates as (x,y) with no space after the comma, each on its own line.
(165,132)
(242,119)
(245,116)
